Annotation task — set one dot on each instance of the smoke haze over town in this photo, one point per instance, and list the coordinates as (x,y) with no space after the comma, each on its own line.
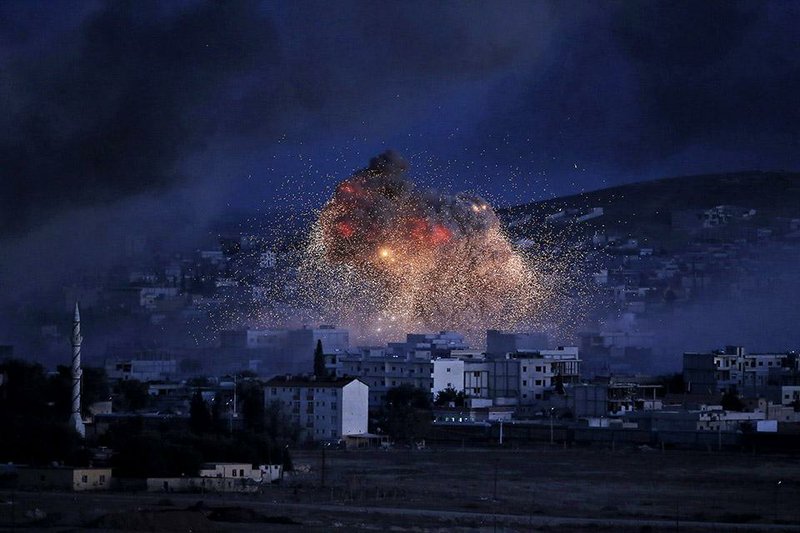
(556,242)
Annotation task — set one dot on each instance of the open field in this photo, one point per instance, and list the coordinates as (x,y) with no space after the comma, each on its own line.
(543,489)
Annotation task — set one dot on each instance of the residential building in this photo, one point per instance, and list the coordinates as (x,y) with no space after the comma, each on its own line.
(383,372)
(447,373)
(790,395)
(64,478)
(301,343)
(429,345)
(324,410)
(232,470)
(493,378)
(735,370)
(141,369)
(499,343)
(544,372)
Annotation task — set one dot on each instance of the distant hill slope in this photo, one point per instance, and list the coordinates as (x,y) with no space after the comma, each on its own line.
(649,204)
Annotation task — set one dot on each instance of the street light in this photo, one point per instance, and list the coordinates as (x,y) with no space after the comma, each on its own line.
(552,410)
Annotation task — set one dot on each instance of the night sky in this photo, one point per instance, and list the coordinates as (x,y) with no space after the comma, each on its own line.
(117,114)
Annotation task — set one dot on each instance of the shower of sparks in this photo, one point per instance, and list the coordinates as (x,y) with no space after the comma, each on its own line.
(386,257)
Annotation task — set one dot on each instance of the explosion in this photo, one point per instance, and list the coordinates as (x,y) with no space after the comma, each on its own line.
(385,256)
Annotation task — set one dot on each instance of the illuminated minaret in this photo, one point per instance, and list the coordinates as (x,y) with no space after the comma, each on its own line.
(75,419)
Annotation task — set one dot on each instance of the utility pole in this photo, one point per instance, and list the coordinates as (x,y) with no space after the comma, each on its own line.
(234,395)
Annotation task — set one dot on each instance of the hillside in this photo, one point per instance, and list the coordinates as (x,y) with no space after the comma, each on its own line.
(646,207)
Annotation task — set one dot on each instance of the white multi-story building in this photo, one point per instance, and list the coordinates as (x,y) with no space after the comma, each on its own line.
(448,373)
(324,410)
(540,372)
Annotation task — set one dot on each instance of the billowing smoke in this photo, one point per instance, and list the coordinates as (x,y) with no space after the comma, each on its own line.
(388,256)
(377,219)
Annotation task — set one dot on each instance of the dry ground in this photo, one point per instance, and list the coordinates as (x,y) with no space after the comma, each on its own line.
(541,489)
(631,483)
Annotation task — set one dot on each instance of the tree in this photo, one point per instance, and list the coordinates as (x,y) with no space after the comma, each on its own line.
(279,427)
(558,384)
(445,396)
(319,362)
(672,383)
(131,395)
(199,415)
(251,399)
(731,401)
(217,415)
(406,413)
(34,409)
(95,387)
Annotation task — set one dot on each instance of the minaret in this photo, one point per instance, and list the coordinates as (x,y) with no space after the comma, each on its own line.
(75,419)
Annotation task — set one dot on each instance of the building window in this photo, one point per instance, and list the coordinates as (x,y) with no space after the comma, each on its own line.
(448,369)
(538,382)
(241,473)
(84,479)
(102,478)
(538,369)
(524,368)
(234,473)
(524,382)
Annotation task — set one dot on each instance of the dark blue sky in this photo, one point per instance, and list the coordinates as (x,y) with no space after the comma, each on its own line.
(210,106)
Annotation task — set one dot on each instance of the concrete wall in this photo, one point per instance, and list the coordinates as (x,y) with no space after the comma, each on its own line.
(447,373)
(200,484)
(77,479)
(231,470)
(354,408)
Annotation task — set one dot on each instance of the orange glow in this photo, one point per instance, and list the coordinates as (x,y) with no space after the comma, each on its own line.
(345,229)
(440,234)
(419,228)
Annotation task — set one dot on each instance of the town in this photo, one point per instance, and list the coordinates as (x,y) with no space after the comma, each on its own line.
(140,425)
(399,266)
